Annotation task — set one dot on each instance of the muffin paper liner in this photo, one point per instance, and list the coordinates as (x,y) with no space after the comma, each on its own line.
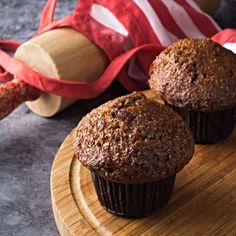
(133,200)
(209,127)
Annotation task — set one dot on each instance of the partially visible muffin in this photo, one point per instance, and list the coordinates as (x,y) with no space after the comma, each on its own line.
(134,147)
(197,77)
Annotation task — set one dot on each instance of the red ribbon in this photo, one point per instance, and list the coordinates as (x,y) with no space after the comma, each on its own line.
(69,89)
(80,90)
(225,36)
(73,89)
(9,45)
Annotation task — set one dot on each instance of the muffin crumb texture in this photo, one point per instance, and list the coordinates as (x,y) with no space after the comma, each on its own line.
(133,139)
(198,74)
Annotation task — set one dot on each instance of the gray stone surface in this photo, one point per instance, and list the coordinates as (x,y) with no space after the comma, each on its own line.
(28,143)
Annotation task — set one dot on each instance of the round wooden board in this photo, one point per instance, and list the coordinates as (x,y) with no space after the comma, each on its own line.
(203,202)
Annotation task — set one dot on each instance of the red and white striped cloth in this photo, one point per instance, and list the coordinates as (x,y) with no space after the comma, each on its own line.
(117,26)
(129,30)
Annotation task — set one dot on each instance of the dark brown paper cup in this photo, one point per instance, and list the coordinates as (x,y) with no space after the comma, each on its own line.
(133,200)
(209,127)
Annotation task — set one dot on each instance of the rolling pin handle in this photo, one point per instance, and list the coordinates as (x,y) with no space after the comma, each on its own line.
(13,93)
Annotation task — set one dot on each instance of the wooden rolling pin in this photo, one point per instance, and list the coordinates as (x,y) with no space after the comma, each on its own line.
(60,53)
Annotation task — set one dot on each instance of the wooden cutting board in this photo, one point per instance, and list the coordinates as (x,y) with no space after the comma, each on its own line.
(203,202)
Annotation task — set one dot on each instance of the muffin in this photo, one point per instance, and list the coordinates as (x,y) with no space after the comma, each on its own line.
(133,147)
(197,77)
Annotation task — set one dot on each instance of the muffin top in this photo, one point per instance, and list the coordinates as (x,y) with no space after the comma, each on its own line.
(133,139)
(197,74)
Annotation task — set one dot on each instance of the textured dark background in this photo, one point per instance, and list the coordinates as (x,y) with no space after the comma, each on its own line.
(28,143)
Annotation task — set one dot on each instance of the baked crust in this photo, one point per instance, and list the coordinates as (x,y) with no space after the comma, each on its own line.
(197,74)
(133,139)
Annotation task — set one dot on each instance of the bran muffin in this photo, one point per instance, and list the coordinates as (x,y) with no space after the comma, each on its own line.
(133,147)
(197,77)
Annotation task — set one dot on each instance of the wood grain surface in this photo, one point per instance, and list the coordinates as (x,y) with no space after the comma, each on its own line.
(203,202)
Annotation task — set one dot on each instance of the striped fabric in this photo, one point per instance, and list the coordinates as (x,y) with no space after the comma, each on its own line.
(117,26)
(152,21)
(131,32)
